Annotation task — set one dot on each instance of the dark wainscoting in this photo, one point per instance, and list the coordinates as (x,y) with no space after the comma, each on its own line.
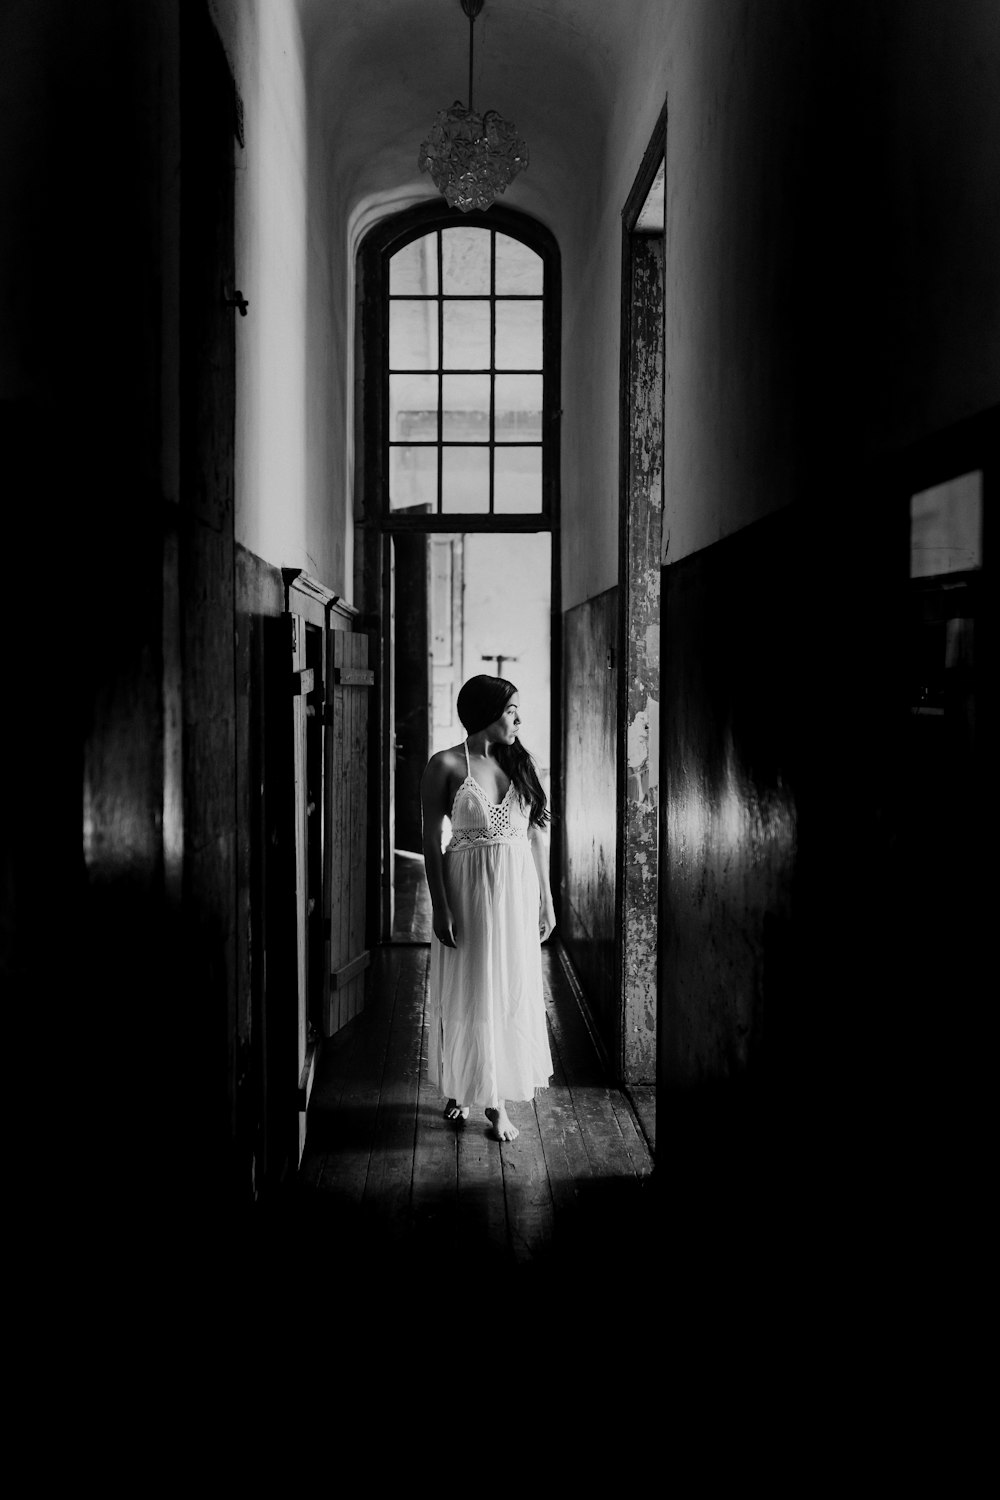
(265,1049)
(733,987)
(818,948)
(586,822)
(730,767)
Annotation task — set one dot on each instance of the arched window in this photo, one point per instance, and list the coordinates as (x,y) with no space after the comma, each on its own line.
(461,371)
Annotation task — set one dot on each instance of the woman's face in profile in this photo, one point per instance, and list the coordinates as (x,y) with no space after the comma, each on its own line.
(506,727)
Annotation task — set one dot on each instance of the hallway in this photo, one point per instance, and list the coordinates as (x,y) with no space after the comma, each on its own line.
(380,1156)
(727,356)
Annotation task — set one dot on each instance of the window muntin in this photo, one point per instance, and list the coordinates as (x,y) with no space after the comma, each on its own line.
(465,376)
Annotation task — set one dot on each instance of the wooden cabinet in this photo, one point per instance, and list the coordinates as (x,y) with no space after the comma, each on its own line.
(350,683)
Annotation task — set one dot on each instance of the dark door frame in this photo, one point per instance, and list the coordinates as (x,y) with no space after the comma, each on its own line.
(634,1055)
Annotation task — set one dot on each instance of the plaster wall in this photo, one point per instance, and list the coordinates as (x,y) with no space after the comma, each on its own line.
(290,508)
(833,229)
(833,234)
(590,241)
(931,129)
(832,210)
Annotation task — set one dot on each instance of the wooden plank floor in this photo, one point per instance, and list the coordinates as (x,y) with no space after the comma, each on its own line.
(401,1187)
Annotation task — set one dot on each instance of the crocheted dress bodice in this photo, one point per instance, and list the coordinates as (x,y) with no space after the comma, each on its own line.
(476,821)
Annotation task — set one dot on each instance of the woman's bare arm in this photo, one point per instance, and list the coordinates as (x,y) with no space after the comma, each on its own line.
(540,854)
(433,803)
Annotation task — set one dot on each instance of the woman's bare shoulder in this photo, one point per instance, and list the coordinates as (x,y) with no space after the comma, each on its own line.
(445,763)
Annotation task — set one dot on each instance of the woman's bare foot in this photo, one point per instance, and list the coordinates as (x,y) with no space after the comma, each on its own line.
(503,1130)
(456,1111)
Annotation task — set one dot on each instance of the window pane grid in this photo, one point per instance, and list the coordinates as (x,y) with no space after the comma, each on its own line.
(430,369)
(493,361)
(465,443)
(460,297)
(467,484)
(440,313)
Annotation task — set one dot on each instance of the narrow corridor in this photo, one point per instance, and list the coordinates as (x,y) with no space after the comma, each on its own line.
(719,378)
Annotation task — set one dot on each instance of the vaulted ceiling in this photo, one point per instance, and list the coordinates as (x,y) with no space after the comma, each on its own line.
(379,70)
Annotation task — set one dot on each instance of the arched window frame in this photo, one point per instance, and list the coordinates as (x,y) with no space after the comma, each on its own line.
(378,247)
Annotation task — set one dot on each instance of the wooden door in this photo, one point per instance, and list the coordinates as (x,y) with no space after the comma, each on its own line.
(349,685)
(306,973)
(300,686)
(387,850)
(446,620)
(306,642)
(411,646)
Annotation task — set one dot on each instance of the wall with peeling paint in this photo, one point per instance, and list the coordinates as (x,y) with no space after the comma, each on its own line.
(587,815)
(639,702)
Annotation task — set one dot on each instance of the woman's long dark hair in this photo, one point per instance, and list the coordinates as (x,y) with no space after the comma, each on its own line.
(481,701)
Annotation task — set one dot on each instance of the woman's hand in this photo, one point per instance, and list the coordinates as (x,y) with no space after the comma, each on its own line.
(444,927)
(540,854)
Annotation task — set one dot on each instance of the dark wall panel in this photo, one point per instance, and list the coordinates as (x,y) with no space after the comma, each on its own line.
(85,929)
(207,1008)
(822,930)
(730,753)
(263,753)
(587,817)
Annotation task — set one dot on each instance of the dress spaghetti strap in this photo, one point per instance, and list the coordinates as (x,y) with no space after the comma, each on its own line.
(468,767)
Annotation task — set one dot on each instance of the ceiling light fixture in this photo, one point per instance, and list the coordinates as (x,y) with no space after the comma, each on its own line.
(472,157)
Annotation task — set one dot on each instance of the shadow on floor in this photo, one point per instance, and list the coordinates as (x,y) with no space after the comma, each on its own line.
(628,1259)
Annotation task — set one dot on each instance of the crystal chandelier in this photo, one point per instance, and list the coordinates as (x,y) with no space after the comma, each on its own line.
(472,157)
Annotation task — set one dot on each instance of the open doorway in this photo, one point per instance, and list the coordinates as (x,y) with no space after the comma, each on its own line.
(459,342)
(463,603)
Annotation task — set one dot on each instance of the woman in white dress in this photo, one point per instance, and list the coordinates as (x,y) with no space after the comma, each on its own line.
(492,908)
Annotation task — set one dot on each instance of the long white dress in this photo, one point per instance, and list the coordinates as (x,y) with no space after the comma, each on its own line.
(488,1038)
